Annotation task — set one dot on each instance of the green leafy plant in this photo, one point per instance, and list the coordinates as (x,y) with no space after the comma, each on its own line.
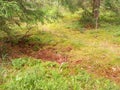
(19,63)
(49,76)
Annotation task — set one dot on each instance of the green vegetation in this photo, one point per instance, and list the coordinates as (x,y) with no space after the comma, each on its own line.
(96,52)
(59,45)
(38,75)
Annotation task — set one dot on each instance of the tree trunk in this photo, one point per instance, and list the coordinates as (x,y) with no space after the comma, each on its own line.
(96,7)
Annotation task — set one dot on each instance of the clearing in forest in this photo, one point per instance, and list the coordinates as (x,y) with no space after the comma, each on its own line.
(94,52)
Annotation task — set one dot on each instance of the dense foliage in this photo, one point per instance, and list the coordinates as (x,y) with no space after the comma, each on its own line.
(14,12)
(8,11)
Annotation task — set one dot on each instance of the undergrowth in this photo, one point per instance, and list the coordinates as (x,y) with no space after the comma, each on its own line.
(38,75)
(95,49)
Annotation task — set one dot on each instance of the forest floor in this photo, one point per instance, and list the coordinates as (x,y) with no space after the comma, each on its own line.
(96,51)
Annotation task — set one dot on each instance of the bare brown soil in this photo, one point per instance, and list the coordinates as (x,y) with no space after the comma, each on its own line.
(51,56)
(112,73)
(21,50)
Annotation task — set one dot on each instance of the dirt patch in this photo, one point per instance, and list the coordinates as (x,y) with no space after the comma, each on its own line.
(22,50)
(112,73)
(51,55)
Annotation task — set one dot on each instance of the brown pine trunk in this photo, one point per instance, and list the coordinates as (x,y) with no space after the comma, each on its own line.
(96,7)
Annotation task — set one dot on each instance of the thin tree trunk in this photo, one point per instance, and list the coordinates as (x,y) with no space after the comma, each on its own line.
(96,7)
